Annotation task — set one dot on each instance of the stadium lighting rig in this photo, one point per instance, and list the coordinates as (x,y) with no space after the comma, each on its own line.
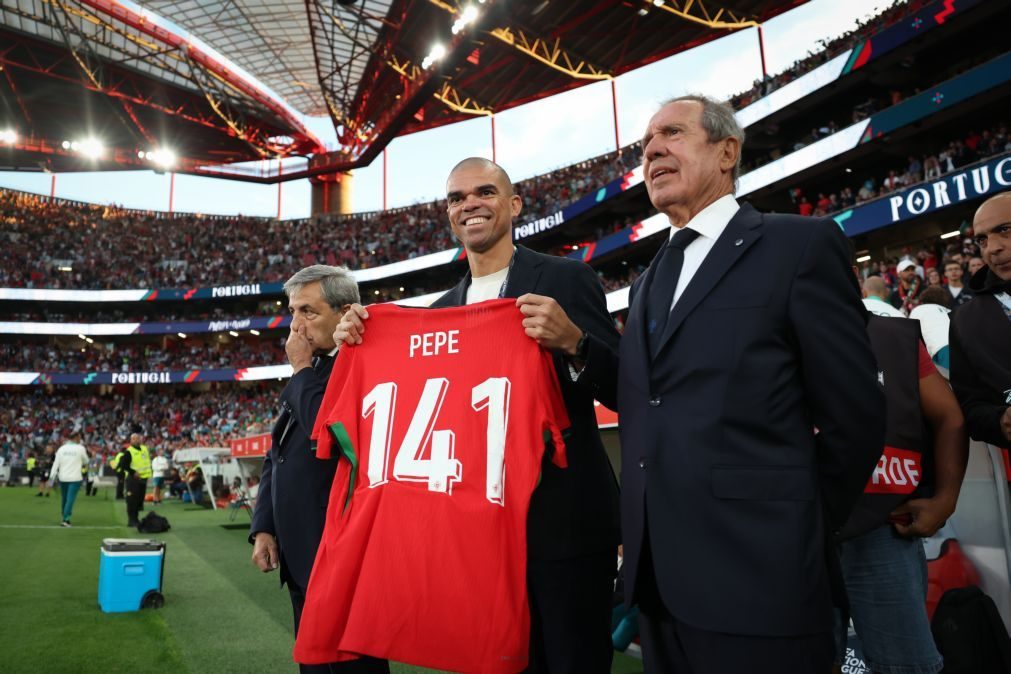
(467,16)
(90,147)
(436,54)
(162,157)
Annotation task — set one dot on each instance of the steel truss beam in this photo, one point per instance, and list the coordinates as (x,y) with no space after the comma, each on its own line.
(123,88)
(335,29)
(123,37)
(706,14)
(91,66)
(447,94)
(545,50)
(550,53)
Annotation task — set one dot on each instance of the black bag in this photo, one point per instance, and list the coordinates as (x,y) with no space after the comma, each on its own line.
(969,633)
(153,523)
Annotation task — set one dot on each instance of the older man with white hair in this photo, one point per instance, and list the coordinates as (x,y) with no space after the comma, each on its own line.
(294,485)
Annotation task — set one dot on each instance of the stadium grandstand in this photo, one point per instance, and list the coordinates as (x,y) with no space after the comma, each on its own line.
(119,320)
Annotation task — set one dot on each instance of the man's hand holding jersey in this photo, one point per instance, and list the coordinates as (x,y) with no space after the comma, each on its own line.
(546,323)
(351,326)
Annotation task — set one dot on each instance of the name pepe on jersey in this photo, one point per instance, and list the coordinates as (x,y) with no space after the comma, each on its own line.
(435,343)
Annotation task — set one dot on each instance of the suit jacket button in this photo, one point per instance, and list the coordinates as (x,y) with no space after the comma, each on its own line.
(642,463)
(654,402)
(281,460)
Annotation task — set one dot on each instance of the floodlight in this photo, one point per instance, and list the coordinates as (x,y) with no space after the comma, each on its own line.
(163,157)
(181,335)
(233,333)
(9,136)
(65,145)
(80,336)
(468,16)
(255,332)
(438,51)
(92,148)
(658,3)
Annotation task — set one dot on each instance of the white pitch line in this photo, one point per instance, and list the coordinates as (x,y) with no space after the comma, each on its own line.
(51,526)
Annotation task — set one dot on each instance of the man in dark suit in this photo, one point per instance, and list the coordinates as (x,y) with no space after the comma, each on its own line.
(572,526)
(295,486)
(750,414)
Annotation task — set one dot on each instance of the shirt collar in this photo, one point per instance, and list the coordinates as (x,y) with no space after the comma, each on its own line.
(714,218)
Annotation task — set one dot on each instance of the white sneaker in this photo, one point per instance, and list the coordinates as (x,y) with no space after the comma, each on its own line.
(65,524)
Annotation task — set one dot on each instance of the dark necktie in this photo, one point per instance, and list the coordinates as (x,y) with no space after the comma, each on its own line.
(665,281)
(320,362)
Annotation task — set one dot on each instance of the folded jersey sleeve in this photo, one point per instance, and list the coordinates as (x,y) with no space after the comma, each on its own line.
(556,418)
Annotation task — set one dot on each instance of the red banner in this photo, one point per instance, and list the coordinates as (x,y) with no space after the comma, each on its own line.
(254,445)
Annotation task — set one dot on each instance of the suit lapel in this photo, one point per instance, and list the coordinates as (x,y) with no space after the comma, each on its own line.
(455,296)
(741,232)
(637,307)
(525,273)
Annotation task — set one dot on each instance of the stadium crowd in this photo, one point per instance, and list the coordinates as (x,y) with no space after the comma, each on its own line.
(946,157)
(173,418)
(829,50)
(58,244)
(140,313)
(115,357)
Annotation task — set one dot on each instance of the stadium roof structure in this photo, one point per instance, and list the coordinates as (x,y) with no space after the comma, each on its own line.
(378,68)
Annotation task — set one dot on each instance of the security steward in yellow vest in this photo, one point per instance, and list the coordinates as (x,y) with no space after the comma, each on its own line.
(30,467)
(136,465)
(120,477)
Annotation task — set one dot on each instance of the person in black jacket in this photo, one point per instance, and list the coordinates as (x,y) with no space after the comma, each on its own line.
(294,490)
(980,333)
(572,525)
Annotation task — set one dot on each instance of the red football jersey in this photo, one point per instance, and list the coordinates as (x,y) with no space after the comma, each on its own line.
(442,417)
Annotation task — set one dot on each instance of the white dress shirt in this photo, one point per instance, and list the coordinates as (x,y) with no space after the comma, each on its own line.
(709,223)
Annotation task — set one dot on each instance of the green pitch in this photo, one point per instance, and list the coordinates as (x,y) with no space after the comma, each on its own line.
(220,615)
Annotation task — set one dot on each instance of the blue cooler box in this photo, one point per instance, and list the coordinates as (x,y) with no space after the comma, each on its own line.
(130,574)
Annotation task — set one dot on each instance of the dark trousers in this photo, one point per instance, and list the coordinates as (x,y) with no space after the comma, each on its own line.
(570,614)
(364,665)
(119,486)
(135,491)
(669,646)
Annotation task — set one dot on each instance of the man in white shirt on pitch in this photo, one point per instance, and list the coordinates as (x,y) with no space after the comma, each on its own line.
(68,464)
(159,469)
